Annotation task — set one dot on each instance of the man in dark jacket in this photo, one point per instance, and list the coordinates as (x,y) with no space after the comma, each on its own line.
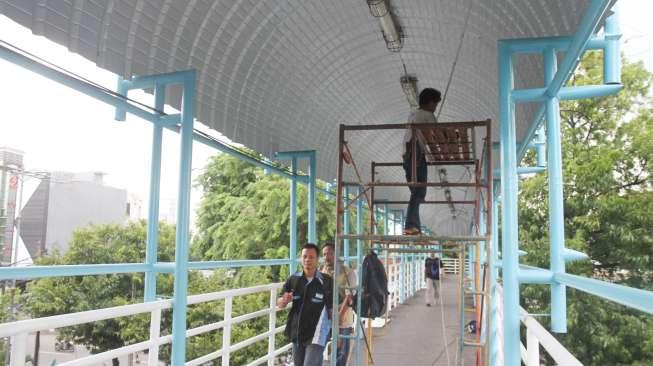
(309,323)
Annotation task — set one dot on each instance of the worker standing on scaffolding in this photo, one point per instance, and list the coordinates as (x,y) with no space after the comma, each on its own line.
(428,102)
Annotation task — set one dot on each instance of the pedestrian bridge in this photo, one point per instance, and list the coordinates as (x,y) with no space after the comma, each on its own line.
(289,79)
(410,333)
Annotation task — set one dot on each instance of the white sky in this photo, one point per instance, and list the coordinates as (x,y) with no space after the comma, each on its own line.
(61,129)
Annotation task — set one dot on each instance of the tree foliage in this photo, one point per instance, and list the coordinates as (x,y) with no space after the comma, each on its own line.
(608,197)
(98,244)
(244,214)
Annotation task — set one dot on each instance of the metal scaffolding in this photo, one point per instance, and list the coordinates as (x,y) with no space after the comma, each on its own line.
(443,144)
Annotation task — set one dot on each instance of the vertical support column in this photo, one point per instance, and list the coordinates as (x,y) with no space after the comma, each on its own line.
(470,266)
(155,332)
(153,203)
(272,325)
(556,206)
(532,349)
(312,179)
(386,231)
(183,215)
(509,186)
(493,272)
(359,275)
(541,147)
(415,273)
(18,349)
(226,331)
(121,88)
(293,215)
(402,277)
(346,226)
(612,52)
(335,330)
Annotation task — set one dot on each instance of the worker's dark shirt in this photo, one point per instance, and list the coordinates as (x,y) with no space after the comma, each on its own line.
(309,318)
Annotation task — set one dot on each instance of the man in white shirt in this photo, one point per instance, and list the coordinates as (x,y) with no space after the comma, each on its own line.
(428,102)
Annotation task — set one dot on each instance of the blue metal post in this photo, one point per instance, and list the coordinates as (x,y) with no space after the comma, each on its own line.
(493,255)
(541,147)
(153,204)
(312,179)
(183,222)
(386,231)
(121,89)
(612,53)
(402,278)
(415,272)
(483,259)
(509,212)
(346,229)
(293,215)
(386,220)
(556,206)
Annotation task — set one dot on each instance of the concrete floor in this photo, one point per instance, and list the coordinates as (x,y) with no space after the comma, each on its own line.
(414,334)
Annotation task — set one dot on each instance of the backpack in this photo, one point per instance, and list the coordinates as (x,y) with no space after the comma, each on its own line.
(432,268)
(374,289)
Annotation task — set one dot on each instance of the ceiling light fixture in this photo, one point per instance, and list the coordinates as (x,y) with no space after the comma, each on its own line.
(390,30)
(378,8)
(409,86)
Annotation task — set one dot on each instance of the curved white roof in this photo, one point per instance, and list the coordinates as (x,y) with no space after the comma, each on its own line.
(282,75)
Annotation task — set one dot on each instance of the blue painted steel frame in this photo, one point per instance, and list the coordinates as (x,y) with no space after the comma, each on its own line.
(556,205)
(510,257)
(550,94)
(293,216)
(153,202)
(312,185)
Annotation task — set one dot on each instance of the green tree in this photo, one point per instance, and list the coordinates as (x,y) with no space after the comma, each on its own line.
(245,214)
(607,152)
(93,245)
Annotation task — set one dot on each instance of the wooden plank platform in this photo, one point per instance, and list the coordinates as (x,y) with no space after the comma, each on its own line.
(447,143)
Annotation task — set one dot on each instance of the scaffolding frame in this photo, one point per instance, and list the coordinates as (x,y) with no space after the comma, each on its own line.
(443,144)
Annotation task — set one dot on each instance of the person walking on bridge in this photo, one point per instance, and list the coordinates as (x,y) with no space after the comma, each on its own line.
(432,277)
(309,319)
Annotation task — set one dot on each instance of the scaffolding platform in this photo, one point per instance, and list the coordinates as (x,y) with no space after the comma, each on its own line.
(443,145)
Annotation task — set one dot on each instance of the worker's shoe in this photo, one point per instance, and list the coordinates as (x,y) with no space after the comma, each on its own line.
(411,231)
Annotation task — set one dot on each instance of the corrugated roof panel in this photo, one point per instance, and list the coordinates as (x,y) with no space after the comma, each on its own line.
(283,74)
